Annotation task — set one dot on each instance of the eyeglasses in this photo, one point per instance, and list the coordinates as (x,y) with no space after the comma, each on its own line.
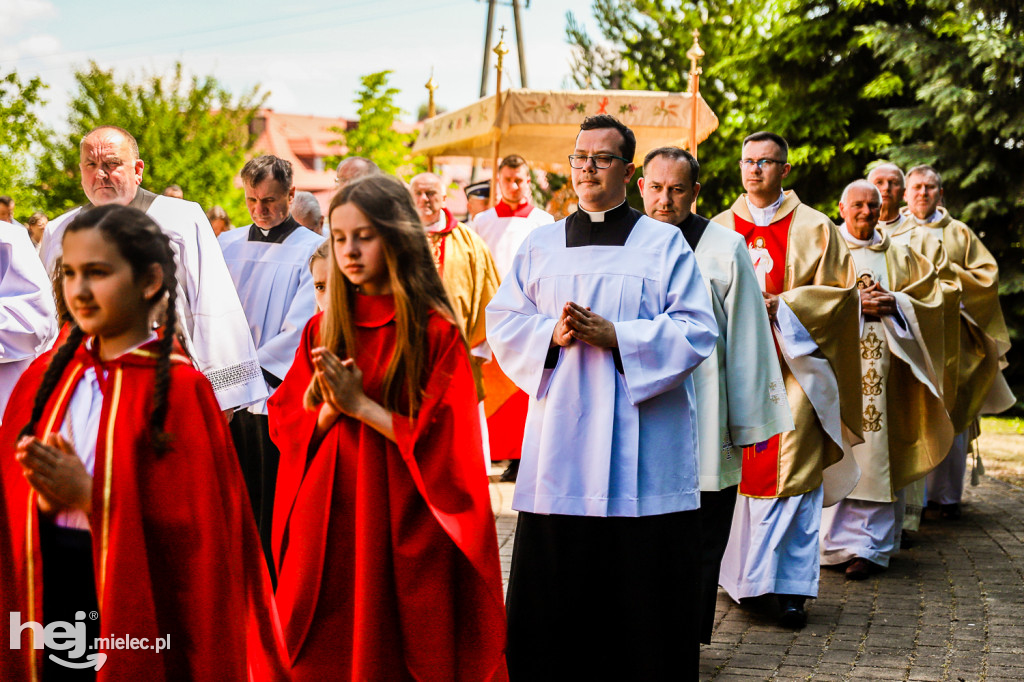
(760,163)
(601,161)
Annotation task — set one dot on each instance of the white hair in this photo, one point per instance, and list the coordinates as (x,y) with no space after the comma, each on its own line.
(860,184)
(888,166)
(305,204)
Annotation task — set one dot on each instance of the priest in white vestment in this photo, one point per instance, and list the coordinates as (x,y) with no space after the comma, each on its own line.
(210,316)
(741,397)
(28,317)
(269,265)
(901,353)
(601,320)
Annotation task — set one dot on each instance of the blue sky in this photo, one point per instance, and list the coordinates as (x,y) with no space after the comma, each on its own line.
(308,53)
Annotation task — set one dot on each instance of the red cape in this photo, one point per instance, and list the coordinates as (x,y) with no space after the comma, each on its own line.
(175,546)
(387,553)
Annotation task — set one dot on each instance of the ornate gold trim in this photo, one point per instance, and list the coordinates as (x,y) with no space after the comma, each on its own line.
(107,478)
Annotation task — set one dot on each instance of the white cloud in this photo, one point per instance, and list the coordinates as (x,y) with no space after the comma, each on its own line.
(18,12)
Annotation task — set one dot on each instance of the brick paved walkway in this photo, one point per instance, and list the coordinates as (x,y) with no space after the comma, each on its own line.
(950,608)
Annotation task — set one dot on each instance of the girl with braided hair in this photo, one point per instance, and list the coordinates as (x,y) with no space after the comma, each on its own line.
(127,510)
(383,534)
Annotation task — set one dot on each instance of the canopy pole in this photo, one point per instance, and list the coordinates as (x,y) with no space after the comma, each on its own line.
(695,53)
(501,51)
(431,111)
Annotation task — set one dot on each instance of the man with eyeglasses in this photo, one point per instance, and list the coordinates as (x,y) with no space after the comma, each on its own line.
(984,339)
(811,296)
(601,320)
(741,399)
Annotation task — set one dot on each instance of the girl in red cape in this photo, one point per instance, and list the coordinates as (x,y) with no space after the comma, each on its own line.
(126,510)
(383,533)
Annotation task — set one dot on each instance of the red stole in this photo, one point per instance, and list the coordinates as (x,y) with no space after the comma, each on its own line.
(439,238)
(387,552)
(767,244)
(523,210)
(174,542)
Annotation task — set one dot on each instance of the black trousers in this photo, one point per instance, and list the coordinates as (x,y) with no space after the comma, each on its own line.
(716,510)
(69,587)
(604,598)
(259,458)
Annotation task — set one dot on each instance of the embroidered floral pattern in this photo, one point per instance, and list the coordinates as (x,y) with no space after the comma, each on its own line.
(871,346)
(872,418)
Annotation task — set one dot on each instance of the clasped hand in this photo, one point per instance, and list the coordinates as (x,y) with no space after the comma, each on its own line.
(340,382)
(56,473)
(876,301)
(578,322)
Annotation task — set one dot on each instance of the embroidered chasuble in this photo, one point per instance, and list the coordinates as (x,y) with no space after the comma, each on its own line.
(983,337)
(470,278)
(907,431)
(801,257)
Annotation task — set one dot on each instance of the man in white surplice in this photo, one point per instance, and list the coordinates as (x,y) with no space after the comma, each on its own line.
(269,265)
(901,368)
(28,318)
(601,320)
(741,397)
(210,317)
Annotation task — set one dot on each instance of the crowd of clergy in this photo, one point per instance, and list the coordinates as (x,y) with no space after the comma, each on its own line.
(683,403)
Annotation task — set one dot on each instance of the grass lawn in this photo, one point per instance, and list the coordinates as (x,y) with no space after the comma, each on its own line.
(1002,448)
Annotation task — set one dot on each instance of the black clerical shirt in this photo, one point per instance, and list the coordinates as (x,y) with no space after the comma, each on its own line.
(693,229)
(275,235)
(580,230)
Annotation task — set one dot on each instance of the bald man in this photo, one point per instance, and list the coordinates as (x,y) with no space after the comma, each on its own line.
(216,333)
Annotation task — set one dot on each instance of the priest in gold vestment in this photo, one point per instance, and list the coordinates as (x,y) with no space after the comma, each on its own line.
(467,271)
(907,430)
(811,294)
(976,372)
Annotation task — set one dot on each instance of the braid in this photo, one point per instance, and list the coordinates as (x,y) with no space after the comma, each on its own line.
(53,374)
(157,418)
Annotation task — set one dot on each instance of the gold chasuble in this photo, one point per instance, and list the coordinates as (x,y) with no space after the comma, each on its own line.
(802,258)
(470,278)
(907,431)
(983,338)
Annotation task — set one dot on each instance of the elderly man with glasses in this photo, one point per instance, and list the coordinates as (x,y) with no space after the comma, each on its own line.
(811,295)
(601,320)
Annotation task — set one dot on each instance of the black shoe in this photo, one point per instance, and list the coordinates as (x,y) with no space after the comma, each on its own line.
(907,540)
(793,614)
(951,511)
(510,473)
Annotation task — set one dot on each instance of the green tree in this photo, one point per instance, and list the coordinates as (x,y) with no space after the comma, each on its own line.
(795,67)
(22,137)
(191,132)
(962,61)
(375,136)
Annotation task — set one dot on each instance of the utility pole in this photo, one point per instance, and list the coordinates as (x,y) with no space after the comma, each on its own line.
(519,42)
(487,48)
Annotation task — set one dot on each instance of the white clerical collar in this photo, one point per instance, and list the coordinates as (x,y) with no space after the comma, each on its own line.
(598,216)
(935,217)
(265,232)
(876,237)
(764,216)
(438,226)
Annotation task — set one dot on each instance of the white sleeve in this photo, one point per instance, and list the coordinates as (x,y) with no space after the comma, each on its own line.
(517,332)
(276,354)
(28,316)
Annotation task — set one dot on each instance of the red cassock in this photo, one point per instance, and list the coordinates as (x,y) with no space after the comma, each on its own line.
(175,547)
(387,553)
